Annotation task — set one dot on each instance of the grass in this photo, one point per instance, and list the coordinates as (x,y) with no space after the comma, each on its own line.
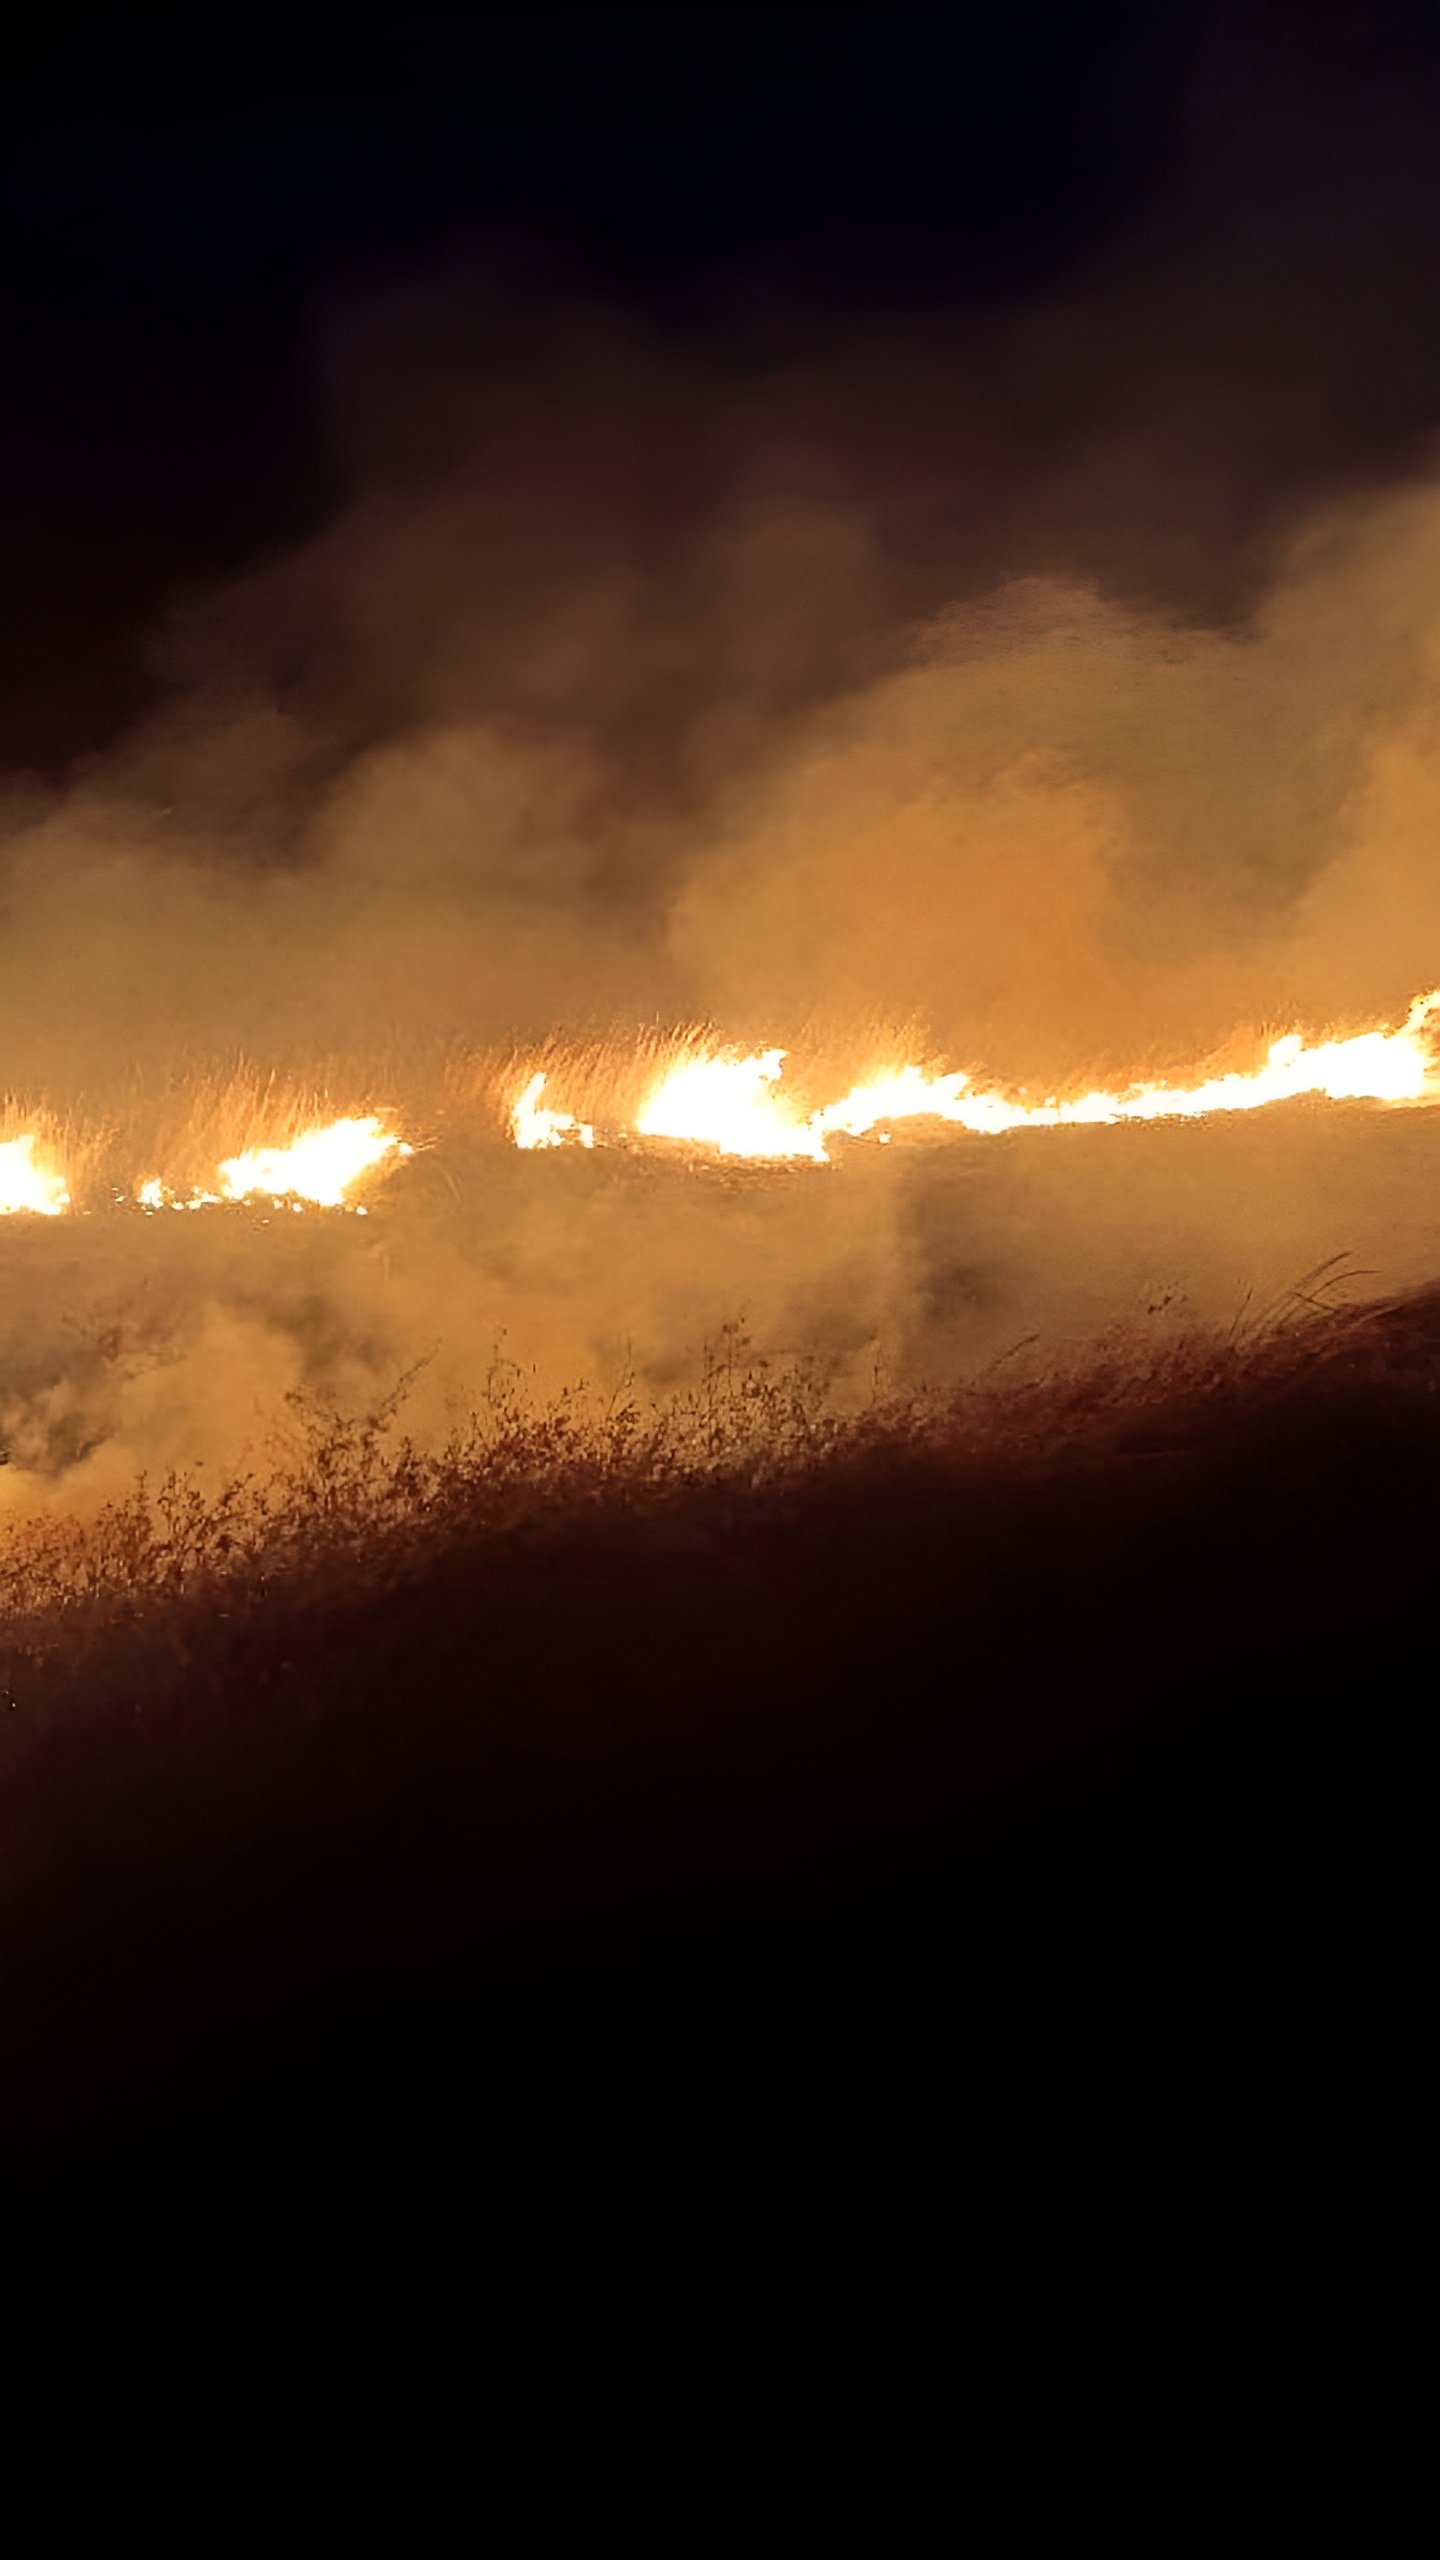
(387,1708)
(351,1510)
(351,1504)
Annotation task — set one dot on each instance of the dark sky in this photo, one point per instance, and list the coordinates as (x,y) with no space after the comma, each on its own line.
(1228,219)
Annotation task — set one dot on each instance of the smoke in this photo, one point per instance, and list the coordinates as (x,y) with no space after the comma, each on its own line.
(1070,837)
(1048,680)
(1061,833)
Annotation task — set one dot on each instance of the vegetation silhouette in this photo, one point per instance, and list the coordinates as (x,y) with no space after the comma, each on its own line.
(384,1716)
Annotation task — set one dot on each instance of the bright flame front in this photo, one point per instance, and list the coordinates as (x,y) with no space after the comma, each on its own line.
(30,1182)
(729,1102)
(321,1166)
(723,1100)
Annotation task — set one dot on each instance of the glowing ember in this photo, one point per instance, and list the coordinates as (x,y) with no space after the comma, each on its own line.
(729,1102)
(321,1166)
(531,1125)
(158,1195)
(26,1184)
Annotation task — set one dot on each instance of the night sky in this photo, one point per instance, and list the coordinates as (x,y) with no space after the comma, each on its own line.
(1236,209)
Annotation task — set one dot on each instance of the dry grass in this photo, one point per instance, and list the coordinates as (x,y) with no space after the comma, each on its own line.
(353,1500)
(381,1713)
(352,1509)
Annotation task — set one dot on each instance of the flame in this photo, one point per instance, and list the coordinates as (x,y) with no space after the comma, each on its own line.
(531,1125)
(728,1102)
(906,1094)
(722,1099)
(26,1184)
(320,1166)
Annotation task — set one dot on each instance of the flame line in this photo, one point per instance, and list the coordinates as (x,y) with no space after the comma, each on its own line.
(729,1102)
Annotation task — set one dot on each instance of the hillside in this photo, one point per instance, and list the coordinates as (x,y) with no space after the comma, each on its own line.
(1092,1699)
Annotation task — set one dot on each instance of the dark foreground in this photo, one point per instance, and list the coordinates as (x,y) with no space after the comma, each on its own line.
(1020,1788)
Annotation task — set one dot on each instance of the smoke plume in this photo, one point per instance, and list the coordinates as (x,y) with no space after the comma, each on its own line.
(1047,682)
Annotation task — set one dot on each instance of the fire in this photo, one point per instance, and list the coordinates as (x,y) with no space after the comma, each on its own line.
(320,1166)
(28,1183)
(531,1125)
(730,1102)
(156,1194)
(907,1094)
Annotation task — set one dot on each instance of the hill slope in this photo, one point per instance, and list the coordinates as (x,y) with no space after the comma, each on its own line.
(1094,1703)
